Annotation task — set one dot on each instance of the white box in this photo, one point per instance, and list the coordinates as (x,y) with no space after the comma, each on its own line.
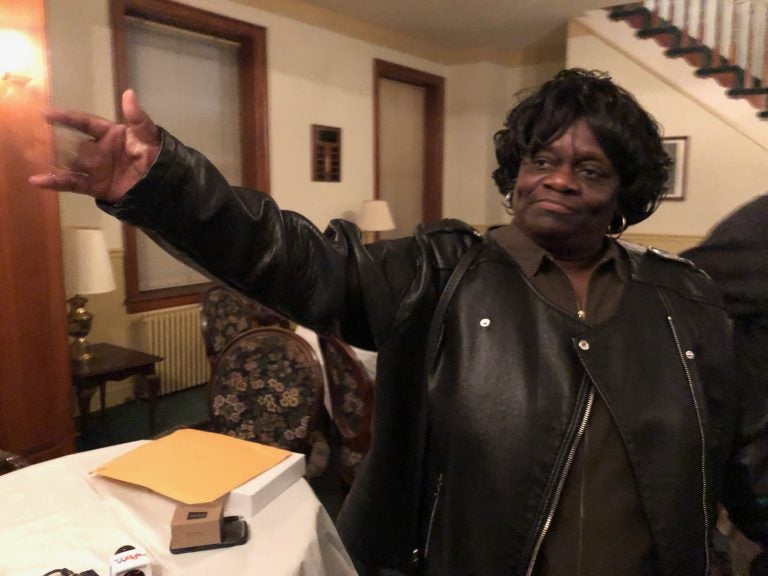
(247,499)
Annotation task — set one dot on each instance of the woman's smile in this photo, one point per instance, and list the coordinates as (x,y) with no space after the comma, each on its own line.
(552,206)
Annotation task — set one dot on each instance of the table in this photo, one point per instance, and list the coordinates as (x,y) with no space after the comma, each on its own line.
(113,363)
(56,514)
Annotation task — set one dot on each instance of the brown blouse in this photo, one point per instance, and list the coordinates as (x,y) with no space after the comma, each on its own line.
(599,527)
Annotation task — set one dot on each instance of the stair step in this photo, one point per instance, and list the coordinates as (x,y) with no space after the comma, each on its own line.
(697,56)
(657,31)
(754,91)
(755,95)
(638,18)
(728,75)
(666,35)
(627,11)
(682,50)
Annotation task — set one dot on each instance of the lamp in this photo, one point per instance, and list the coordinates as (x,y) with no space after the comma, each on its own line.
(87,270)
(374,216)
(17,60)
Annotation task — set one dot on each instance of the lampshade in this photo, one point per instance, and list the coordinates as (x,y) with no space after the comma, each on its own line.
(87,269)
(375,216)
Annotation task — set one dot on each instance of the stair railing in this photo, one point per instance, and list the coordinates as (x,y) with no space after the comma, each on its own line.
(734,30)
(724,39)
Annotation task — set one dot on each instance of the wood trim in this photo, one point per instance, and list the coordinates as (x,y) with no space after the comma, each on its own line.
(252,70)
(254,113)
(434,121)
(36,419)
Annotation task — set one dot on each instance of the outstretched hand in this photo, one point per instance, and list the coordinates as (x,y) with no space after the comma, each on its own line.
(115,158)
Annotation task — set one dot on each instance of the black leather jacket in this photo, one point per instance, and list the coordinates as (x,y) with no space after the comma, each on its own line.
(470,447)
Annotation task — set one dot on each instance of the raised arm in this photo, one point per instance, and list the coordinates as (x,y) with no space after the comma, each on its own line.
(327,281)
(114,160)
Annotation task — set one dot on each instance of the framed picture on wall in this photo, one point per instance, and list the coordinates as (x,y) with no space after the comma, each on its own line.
(677,148)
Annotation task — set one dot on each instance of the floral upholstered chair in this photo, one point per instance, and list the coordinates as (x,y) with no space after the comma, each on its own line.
(226,313)
(267,386)
(351,392)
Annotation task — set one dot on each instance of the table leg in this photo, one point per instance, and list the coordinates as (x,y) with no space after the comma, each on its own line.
(153,385)
(84,395)
(102,397)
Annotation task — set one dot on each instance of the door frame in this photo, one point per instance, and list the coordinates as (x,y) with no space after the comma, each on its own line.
(434,121)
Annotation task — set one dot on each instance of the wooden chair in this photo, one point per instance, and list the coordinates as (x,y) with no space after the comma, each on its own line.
(267,386)
(226,314)
(351,391)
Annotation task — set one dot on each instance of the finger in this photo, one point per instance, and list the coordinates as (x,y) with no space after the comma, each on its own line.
(138,120)
(65,181)
(94,126)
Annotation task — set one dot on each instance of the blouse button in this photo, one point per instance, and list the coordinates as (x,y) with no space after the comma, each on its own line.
(485,322)
(690,355)
(583,344)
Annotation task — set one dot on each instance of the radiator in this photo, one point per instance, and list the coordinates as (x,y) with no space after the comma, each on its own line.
(175,335)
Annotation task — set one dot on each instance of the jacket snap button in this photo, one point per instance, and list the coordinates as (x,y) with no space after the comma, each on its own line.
(583,344)
(485,322)
(690,355)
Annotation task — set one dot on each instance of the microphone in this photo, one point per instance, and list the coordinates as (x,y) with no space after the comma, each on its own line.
(129,561)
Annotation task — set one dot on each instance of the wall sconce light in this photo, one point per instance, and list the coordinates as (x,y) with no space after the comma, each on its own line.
(19,62)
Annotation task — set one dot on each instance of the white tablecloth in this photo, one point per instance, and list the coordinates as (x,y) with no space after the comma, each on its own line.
(55,515)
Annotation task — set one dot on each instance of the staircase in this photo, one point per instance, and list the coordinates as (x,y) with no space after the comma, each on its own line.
(721,39)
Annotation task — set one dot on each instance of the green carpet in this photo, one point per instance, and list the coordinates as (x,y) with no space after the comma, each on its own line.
(130,421)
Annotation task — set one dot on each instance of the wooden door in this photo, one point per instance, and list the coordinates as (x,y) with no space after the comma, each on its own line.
(36,411)
(401,154)
(427,90)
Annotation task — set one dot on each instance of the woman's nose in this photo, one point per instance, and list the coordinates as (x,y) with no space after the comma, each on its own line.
(562,179)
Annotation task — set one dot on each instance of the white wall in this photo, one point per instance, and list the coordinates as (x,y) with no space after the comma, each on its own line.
(726,162)
(315,77)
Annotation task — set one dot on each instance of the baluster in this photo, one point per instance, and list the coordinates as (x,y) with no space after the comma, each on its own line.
(693,29)
(678,14)
(763,80)
(708,35)
(741,35)
(664,9)
(757,46)
(727,36)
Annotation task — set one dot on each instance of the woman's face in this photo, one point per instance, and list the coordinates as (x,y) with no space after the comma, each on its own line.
(566,194)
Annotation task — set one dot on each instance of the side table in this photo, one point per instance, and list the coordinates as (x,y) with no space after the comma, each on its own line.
(113,363)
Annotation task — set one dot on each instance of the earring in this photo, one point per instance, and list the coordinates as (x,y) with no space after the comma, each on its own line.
(614,232)
(506,202)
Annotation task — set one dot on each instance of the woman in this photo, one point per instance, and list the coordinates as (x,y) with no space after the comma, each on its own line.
(548,401)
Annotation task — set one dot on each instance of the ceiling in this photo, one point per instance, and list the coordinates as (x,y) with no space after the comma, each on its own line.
(469,25)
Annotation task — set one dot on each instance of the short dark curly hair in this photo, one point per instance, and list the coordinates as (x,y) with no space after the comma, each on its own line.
(628,135)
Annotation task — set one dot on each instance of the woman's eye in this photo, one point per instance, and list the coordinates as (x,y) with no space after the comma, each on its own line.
(593,173)
(541,162)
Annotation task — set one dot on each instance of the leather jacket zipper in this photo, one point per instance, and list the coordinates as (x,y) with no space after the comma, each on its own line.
(561,481)
(697,408)
(436,495)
